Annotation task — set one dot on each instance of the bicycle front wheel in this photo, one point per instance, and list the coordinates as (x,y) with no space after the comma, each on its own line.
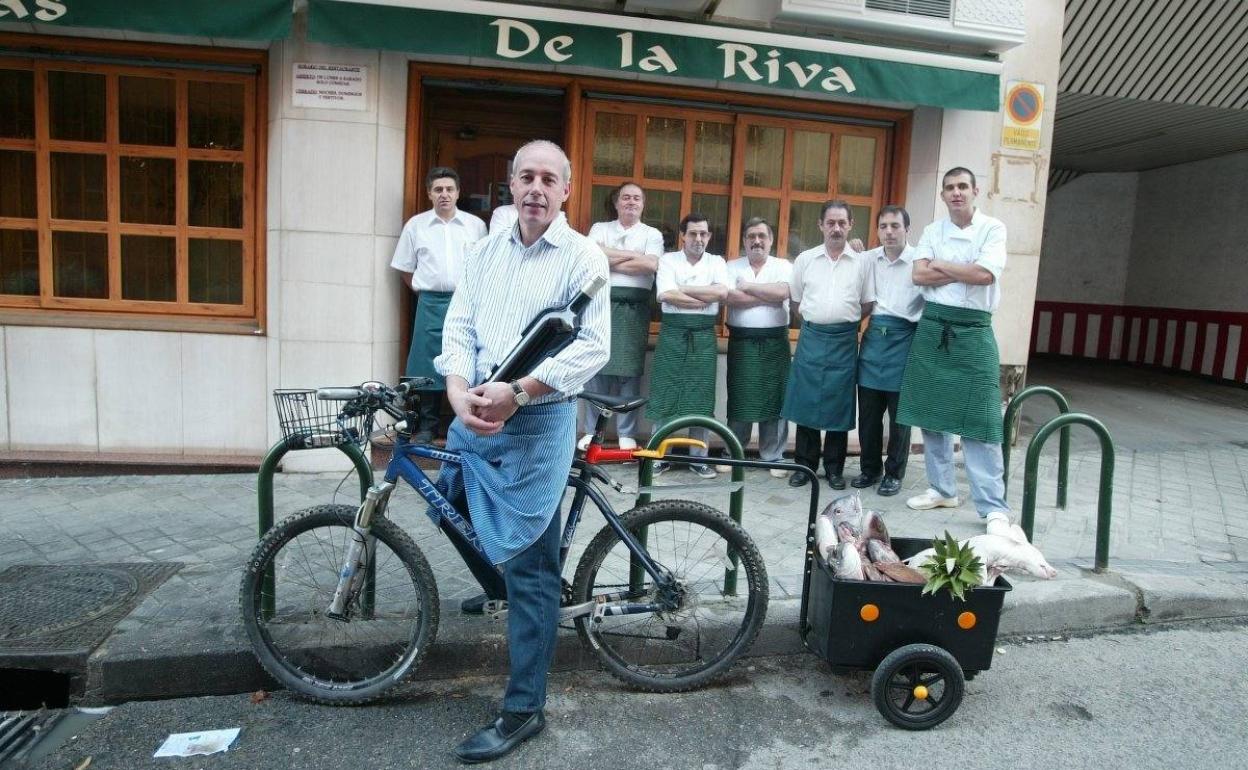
(709,628)
(347,661)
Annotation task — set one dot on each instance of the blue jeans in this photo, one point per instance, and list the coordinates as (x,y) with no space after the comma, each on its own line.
(612,385)
(984,469)
(533,588)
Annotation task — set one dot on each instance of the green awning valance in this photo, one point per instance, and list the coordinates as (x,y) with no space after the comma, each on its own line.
(615,45)
(238,19)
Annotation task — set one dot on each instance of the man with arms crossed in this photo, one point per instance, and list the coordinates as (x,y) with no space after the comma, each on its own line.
(633,249)
(430,255)
(882,359)
(952,380)
(517,439)
(758,343)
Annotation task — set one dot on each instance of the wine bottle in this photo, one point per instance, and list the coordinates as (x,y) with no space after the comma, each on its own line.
(550,332)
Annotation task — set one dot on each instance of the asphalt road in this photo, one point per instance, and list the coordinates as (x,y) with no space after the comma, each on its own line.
(1154,699)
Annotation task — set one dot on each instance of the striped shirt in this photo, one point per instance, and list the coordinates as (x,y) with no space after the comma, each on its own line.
(505,286)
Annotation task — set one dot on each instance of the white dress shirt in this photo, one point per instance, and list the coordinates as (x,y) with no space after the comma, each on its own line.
(433,249)
(895,292)
(774,270)
(832,291)
(504,217)
(505,286)
(981,243)
(640,237)
(675,272)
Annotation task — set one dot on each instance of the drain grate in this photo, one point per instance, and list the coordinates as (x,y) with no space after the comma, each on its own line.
(72,607)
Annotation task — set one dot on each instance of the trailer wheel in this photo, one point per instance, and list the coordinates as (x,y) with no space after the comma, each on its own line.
(918,686)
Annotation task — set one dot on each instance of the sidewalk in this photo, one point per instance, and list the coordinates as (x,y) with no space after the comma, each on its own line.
(1179,549)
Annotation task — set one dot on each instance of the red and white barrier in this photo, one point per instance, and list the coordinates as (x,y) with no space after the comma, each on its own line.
(1208,342)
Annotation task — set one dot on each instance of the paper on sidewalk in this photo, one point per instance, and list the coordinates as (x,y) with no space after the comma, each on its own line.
(191,744)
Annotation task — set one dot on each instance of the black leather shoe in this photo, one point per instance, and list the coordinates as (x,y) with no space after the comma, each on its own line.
(889,486)
(862,481)
(798,479)
(836,481)
(493,742)
(474,605)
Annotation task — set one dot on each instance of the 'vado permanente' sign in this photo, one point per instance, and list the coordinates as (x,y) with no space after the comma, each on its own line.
(620,45)
(250,20)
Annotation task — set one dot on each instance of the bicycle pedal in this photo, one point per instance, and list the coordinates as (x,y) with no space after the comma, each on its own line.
(495,609)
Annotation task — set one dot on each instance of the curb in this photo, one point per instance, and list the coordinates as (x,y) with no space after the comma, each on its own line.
(150,665)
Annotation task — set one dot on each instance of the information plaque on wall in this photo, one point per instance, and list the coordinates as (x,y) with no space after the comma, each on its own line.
(330,86)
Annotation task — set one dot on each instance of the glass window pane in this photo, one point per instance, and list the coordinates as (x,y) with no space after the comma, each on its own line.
(665,148)
(78,186)
(148,190)
(17,184)
(712,152)
(17,104)
(216,194)
(804,230)
(856,165)
(76,106)
(663,213)
(764,154)
(148,268)
(810,160)
(715,209)
(600,209)
(146,113)
(215,271)
(614,139)
(19,262)
(216,115)
(862,224)
(80,265)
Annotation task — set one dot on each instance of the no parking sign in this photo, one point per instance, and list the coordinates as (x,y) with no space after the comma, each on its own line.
(1024,106)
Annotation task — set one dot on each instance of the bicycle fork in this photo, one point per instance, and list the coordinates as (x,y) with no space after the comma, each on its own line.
(356,573)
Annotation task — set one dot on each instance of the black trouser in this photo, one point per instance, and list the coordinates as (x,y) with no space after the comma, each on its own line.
(430,411)
(835,445)
(872,404)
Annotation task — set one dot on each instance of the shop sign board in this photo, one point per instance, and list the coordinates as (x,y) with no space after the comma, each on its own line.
(251,20)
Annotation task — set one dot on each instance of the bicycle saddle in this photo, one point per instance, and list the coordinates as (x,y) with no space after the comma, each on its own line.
(614,403)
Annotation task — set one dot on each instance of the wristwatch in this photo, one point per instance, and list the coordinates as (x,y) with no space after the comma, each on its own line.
(521,395)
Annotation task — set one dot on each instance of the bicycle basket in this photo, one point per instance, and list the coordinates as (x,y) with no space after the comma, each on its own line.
(309,423)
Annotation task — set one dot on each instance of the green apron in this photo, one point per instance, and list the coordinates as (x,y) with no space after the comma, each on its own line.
(821,392)
(952,382)
(427,337)
(885,347)
(683,378)
(758,370)
(630,327)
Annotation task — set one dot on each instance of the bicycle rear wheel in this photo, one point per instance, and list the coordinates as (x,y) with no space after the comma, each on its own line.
(337,662)
(687,647)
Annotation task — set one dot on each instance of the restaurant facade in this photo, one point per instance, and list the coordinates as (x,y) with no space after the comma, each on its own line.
(199,200)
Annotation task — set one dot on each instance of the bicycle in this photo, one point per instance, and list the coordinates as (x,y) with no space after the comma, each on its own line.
(340,605)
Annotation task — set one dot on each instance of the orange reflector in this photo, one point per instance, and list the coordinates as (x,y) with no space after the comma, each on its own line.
(966,620)
(920,692)
(869,612)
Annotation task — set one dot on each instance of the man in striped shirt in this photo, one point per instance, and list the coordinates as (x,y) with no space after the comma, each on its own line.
(516,440)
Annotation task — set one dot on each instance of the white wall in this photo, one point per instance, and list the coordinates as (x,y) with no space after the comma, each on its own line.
(1088,227)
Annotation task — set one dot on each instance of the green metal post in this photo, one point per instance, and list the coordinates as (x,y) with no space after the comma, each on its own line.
(1010,428)
(1104,502)
(264,500)
(736,501)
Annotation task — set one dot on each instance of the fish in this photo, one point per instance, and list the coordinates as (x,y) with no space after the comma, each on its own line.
(872,527)
(847,564)
(870,572)
(880,552)
(895,570)
(825,537)
(1000,554)
(847,510)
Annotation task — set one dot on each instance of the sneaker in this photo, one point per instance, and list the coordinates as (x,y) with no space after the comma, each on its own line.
(627,443)
(723,468)
(932,499)
(702,470)
(778,473)
(583,444)
(659,467)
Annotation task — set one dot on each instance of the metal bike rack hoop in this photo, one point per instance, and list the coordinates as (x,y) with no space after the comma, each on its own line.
(1010,425)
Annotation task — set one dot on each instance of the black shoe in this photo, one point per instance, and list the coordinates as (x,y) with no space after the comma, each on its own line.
(494,742)
(889,486)
(836,480)
(474,605)
(798,479)
(659,467)
(423,437)
(862,481)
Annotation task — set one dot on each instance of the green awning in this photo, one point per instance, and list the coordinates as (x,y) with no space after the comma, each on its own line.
(238,19)
(615,45)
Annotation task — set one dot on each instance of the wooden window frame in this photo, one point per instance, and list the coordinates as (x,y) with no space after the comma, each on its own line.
(48,309)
